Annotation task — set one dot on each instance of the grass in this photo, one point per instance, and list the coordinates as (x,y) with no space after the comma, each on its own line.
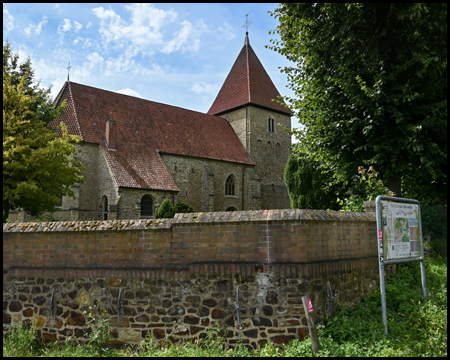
(417,327)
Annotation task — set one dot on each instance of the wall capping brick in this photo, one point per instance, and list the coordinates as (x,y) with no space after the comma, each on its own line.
(193,218)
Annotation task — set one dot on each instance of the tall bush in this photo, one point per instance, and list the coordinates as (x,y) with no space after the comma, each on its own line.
(166,210)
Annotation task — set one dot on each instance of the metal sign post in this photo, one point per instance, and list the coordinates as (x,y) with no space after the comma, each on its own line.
(400,239)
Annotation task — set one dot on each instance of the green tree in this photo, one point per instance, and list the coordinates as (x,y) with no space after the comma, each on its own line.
(308,185)
(37,168)
(370,85)
(41,104)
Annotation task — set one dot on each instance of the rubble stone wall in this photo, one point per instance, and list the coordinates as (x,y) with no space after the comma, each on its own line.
(178,276)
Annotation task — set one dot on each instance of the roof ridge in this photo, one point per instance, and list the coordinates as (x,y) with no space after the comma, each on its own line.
(140,98)
(58,97)
(75,111)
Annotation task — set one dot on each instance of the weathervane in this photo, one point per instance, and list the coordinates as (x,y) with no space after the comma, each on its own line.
(247,24)
(68,71)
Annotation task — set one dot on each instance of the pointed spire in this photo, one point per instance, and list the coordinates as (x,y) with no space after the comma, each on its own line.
(247,83)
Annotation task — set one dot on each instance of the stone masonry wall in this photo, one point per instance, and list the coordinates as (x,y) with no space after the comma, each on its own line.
(269,150)
(179,276)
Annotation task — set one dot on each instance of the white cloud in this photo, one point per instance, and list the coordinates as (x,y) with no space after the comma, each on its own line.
(145,29)
(77,25)
(181,38)
(8,20)
(204,88)
(89,25)
(128,91)
(37,28)
(28,29)
(226,31)
(67,25)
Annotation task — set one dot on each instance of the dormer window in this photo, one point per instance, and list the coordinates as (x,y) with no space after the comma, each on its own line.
(271,125)
(229,186)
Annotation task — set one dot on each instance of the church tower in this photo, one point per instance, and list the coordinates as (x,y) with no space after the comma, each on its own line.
(245,100)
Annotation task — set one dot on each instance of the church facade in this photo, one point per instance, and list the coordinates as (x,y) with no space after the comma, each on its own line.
(138,152)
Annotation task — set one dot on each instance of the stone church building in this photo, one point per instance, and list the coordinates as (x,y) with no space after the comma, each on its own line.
(139,152)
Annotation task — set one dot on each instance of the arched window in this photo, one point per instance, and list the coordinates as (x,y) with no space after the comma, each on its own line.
(146,206)
(229,186)
(105,207)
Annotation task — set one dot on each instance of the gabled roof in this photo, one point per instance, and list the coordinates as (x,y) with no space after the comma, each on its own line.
(145,128)
(247,83)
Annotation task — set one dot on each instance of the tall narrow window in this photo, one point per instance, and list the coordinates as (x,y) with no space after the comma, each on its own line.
(271,124)
(146,206)
(229,186)
(105,207)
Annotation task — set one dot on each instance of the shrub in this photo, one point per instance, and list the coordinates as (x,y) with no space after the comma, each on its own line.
(166,210)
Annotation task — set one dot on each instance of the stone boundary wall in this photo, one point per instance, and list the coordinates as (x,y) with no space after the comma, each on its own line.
(178,276)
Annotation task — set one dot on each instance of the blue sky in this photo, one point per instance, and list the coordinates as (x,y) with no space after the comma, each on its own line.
(178,54)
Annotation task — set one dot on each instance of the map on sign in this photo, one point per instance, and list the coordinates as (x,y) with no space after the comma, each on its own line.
(401,231)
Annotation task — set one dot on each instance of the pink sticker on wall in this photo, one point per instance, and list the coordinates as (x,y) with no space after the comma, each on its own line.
(380,235)
(310,308)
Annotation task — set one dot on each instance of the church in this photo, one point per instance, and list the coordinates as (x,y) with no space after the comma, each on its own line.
(139,152)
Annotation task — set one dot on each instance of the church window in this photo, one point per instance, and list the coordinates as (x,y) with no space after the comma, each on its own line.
(229,186)
(146,206)
(105,208)
(271,124)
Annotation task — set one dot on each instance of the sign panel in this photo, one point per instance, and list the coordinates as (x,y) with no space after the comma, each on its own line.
(399,239)
(400,230)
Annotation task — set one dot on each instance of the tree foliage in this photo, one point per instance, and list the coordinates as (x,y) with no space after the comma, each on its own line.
(37,168)
(370,84)
(41,104)
(308,186)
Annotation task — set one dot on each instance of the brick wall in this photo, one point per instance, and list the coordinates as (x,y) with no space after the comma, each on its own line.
(179,275)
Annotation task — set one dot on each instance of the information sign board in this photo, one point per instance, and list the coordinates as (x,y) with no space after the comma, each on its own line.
(400,230)
(399,237)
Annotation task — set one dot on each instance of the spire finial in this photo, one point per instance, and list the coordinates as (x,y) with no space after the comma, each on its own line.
(68,71)
(246,25)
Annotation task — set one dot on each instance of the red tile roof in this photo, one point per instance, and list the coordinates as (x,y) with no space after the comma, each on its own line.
(247,83)
(144,128)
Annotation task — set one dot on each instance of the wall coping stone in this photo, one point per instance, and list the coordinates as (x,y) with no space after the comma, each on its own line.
(192,218)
